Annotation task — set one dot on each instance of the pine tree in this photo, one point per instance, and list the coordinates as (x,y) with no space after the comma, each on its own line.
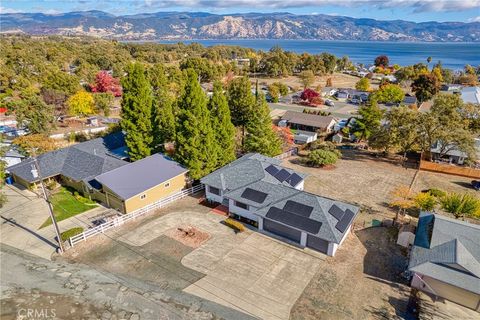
(241,102)
(137,112)
(222,126)
(195,138)
(163,112)
(261,137)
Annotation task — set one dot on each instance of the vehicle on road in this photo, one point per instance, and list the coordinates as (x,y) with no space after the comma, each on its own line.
(476,185)
(329,103)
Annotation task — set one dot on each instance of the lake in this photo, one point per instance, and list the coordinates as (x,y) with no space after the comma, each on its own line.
(453,55)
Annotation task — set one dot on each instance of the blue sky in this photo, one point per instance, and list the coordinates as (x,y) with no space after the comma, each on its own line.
(412,10)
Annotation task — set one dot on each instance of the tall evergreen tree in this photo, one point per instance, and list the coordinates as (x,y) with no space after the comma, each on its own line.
(163,111)
(222,126)
(195,138)
(137,112)
(261,137)
(241,102)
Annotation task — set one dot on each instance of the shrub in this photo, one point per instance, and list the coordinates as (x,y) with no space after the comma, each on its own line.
(51,185)
(234,224)
(437,193)
(425,201)
(70,233)
(322,145)
(321,157)
(466,205)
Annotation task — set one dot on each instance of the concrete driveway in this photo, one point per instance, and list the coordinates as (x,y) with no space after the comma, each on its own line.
(21,216)
(250,272)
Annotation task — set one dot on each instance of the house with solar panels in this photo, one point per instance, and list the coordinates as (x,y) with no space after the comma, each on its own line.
(258,190)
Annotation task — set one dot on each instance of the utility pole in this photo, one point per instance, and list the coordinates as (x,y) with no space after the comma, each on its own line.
(36,173)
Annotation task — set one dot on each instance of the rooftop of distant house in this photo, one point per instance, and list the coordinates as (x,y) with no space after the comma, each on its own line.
(447,250)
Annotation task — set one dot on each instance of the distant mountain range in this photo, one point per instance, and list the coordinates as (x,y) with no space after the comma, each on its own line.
(201,25)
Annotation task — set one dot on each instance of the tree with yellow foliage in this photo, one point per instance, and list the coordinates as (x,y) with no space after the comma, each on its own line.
(81,104)
(402,199)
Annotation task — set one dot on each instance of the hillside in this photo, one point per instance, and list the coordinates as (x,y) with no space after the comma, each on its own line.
(199,25)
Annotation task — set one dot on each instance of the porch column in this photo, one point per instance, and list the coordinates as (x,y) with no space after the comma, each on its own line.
(260,223)
(303,239)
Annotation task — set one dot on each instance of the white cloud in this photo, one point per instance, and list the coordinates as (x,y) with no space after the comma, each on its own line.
(415,5)
(8,10)
(475,19)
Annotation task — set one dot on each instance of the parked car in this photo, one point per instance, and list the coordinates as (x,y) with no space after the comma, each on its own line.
(476,185)
(329,103)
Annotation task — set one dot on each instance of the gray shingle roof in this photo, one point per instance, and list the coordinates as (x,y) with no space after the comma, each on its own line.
(79,162)
(308,119)
(139,176)
(320,212)
(249,172)
(244,171)
(447,250)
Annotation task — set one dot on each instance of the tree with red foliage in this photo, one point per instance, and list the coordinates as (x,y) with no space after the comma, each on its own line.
(311,96)
(382,61)
(104,82)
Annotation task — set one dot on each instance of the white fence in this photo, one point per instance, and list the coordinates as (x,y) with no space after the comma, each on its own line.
(132,215)
(287,154)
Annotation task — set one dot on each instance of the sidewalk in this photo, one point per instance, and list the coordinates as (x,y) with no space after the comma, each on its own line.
(25,212)
(21,216)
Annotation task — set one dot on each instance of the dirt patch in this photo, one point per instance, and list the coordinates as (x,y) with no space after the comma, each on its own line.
(362,281)
(449,183)
(188,235)
(359,177)
(339,80)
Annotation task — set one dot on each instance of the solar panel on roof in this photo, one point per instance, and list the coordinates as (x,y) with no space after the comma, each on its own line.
(254,195)
(293,220)
(282,175)
(272,169)
(298,208)
(336,212)
(294,179)
(343,224)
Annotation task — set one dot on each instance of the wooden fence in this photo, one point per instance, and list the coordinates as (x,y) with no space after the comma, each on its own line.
(118,221)
(449,169)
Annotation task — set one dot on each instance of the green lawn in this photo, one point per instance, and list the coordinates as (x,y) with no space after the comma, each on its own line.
(65,205)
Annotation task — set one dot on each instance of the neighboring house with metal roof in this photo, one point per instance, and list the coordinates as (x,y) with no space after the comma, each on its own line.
(309,122)
(259,190)
(470,95)
(451,153)
(142,182)
(445,259)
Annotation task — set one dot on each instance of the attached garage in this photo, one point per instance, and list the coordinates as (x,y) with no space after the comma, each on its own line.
(317,244)
(282,230)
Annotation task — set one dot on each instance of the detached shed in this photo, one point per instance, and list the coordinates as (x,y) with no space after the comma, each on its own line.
(302,137)
(406,235)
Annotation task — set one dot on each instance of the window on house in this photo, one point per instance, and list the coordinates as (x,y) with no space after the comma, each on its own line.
(214,190)
(166,185)
(241,205)
(143,196)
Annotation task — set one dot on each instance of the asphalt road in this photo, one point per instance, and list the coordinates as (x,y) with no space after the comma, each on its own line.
(341,110)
